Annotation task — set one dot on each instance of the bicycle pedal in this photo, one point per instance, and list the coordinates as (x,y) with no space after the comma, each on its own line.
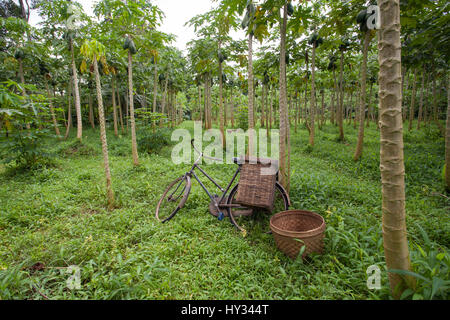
(220,216)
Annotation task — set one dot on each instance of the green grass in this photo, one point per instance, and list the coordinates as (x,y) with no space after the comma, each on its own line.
(57,216)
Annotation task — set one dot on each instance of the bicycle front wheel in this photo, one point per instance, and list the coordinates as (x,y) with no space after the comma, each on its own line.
(173,199)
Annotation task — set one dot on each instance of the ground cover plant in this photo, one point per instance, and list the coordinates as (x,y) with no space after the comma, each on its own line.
(355,96)
(56,217)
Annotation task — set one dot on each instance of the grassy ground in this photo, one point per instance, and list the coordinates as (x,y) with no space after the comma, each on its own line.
(57,216)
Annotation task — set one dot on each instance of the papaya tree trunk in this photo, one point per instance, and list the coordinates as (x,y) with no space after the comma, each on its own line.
(221,107)
(251,97)
(420,116)
(91,111)
(391,146)
(113,91)
(132,120)
(283,100)
(341,100)
(313,97)
(69,110)
(413,101)
(101,116)
(52,111)
(77,95)
(362,99)
(447,139)
(119,102)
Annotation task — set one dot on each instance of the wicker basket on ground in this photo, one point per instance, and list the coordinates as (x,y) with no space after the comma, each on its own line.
(257,183)
(296,228)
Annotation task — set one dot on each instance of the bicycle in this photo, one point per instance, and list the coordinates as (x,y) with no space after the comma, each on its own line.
(176,194)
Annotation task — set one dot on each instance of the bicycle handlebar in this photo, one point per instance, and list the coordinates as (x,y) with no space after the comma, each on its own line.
(201,153)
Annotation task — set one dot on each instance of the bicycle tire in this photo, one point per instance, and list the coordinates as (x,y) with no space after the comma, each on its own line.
(167,216)
(278,187)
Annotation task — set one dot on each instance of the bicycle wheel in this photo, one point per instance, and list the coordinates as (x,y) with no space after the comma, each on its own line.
(173,199)
(239,211)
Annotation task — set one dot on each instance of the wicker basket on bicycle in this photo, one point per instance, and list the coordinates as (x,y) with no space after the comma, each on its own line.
(257,182)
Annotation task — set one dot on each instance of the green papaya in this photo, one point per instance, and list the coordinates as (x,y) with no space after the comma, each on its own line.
(126,44)
(245,21)
(132,47)
(19,54)
(290,9)
(361,17)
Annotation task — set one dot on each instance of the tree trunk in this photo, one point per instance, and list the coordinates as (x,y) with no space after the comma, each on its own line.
(251,96)
(362,99)
(391,146)
(155,90)
(413,101)
(113,91)
(313,97)
(69,110)
(221,108)
(132,121)
(283,100)
(447,140)
(119,101)
(341,100)
(101,116)
(369,103)
(91,111)
(420,116)
(52,111)
(77,95)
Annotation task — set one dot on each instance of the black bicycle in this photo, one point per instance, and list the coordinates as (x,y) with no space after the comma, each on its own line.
(176,194)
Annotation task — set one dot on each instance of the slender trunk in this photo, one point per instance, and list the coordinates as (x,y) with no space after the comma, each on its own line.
(283,99)
(413,101)
(341,100)
(447,139)
(52,111)
(391,146)
(251,96)
(362,99)
(132,121)
(113,91)
(77,95)
(119,102)
(313,97)
(404,91)
(69,110)
(91,111)
(221,107)
(369,103)
(155,90)
(232,107)
(163,104)
(420,116)
(101,116)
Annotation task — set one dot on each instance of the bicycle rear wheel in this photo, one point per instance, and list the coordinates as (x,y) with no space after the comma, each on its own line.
(236,211)
(173,199)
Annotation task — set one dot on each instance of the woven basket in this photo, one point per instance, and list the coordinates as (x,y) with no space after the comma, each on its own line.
(257,183)
(290,226)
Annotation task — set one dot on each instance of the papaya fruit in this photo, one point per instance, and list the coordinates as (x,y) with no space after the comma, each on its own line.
(19,54)
(126,44)
(361,17)
(290,9)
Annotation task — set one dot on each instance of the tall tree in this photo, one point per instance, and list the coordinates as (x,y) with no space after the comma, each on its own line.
(95,51)
(391,146)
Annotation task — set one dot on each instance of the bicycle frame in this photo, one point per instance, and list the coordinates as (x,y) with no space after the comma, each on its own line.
(191,173)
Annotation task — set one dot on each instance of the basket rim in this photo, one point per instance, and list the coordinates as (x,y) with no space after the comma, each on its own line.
(298,234)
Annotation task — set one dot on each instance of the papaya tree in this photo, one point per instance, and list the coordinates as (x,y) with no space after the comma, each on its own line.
(391,148)
(95,52)
(367,35)
(131,19)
